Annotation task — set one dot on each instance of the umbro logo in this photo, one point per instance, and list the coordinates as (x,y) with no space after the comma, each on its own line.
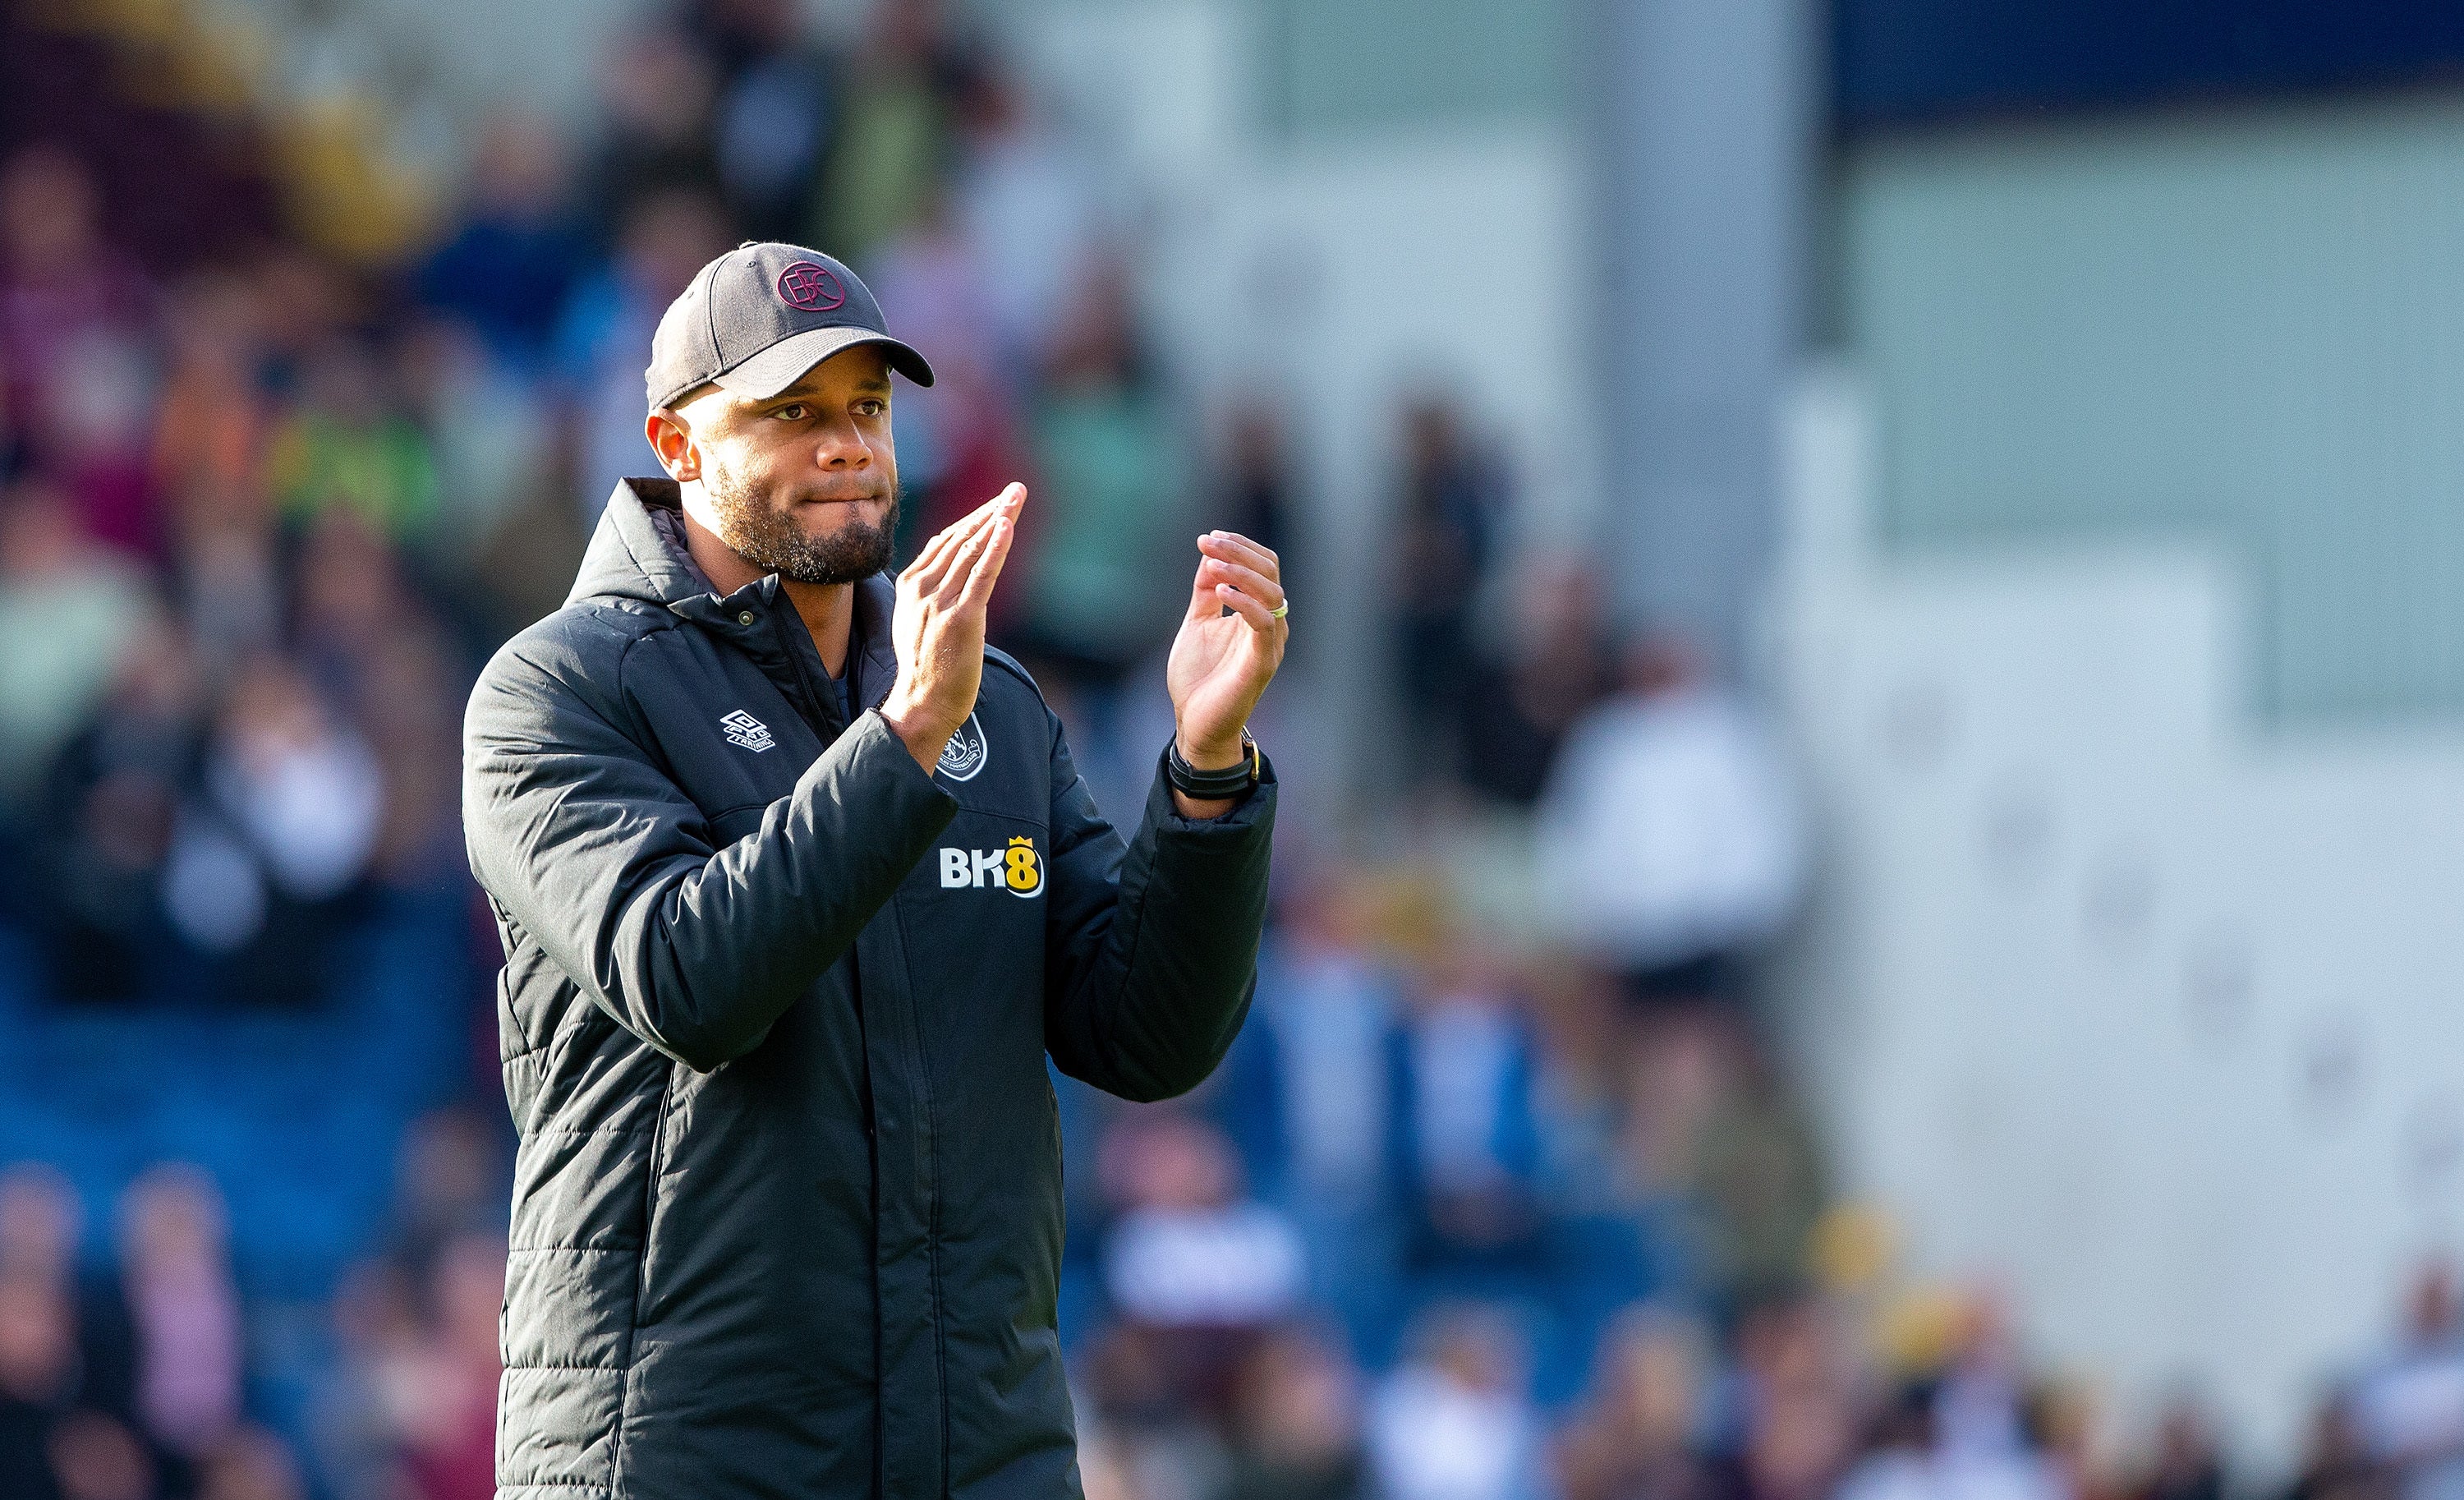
(743,729)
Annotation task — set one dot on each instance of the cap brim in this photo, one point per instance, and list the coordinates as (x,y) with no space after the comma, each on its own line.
(781,365)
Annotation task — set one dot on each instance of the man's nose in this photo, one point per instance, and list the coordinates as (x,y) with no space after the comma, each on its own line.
(843,447)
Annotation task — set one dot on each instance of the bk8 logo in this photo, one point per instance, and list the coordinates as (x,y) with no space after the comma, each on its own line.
(1014,869)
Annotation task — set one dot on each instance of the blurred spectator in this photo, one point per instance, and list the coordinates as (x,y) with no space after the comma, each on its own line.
(2337,1463)
(1681,1066)
(1195,1270)
(1753,1174)
(103,834)
(211,429)
(354,1423)
(893,141)
(304,301)
(451,1184)
(95,1457)
(774,109)
(1468,1132)
(41,1225)
(300,784)
(1985,1445)
(72,313)
(1668,839)
(1331,1010)
(1104,1469)
(493,434)
(175,1262)
(1798,1416)
(2188,1464)
(69,610)
(100,401)
(302,788)
(263,862)
(507,268)
(604,337)
(212,434)
(41,1368)
(350,446)
(2063,1420)
(1259,499)
(252,1464)
(1102,587)
(1453,1423)
(1297,1428)
(1519,704)
(1026,200)
(447,1414)
(36,1358)
(656,94)
(2410,1408)
(1898,1462)
(957,439)
(369,645)
(1639,1440)
(1451,506)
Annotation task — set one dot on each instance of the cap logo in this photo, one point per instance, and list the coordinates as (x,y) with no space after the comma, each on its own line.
(810,288)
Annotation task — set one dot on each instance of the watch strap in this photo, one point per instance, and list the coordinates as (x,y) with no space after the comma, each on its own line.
(1231,782)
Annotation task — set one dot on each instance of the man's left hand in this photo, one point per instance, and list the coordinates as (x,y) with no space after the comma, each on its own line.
(1221,663)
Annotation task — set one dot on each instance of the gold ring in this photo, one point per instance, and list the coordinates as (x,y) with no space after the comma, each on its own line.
(1278,610)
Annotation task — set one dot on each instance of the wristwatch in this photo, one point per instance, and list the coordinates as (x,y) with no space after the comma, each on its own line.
(1212,785)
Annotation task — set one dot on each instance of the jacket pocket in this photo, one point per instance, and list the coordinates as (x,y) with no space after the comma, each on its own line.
(658,1163)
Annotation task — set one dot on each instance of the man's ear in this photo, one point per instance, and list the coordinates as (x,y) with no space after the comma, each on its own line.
(672,441)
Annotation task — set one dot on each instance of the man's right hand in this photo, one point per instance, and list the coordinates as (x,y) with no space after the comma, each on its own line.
(938,626)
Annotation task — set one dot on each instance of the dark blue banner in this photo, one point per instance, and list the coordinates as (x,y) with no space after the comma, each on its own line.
(1910,61)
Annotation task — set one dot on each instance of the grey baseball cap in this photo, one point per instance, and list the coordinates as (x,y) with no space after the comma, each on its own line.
(757,318)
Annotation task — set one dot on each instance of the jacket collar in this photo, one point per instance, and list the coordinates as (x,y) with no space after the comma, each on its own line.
(638,552)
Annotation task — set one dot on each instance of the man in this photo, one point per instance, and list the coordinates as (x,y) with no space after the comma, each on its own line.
(797,888)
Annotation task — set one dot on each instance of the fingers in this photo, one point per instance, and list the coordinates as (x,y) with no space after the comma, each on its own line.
(1249,581)
(952,586)
(933,560)
(932,564)
(1234,559)
(1260,618)
(928,562)
(1233,547)
(988,566)
(1007,502)
(1202,604)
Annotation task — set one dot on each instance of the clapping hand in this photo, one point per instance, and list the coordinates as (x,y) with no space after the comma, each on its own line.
(937,627)
(1220,663)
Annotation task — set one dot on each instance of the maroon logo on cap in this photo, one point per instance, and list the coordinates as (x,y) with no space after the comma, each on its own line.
(810,287)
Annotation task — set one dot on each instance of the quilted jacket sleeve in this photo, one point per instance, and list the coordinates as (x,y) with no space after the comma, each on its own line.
(693,946)
(1153,949)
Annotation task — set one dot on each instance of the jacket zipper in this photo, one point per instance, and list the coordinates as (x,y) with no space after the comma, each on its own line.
(811,706)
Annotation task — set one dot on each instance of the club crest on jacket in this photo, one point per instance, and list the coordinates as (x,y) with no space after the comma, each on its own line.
(964,754)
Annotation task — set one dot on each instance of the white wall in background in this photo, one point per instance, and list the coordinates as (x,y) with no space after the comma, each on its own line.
(2149,1017)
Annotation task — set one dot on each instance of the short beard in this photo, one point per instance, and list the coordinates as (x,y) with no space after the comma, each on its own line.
(767,536)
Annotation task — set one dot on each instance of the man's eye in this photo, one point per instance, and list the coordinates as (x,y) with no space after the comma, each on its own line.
(793,411)
(873,409)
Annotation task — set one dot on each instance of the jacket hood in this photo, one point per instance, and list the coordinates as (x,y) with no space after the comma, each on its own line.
(639,553)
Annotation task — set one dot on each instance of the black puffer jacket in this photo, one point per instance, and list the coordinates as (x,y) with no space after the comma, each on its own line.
(775,1010)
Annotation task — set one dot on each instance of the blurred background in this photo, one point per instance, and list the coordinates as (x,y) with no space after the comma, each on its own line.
(1867,907)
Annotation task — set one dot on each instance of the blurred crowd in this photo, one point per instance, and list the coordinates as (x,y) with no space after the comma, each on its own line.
(1472,1212)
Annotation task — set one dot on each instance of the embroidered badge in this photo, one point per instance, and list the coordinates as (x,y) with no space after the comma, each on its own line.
(965,754)
(743,729)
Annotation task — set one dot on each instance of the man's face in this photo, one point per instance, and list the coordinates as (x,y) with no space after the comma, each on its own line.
(804,484)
